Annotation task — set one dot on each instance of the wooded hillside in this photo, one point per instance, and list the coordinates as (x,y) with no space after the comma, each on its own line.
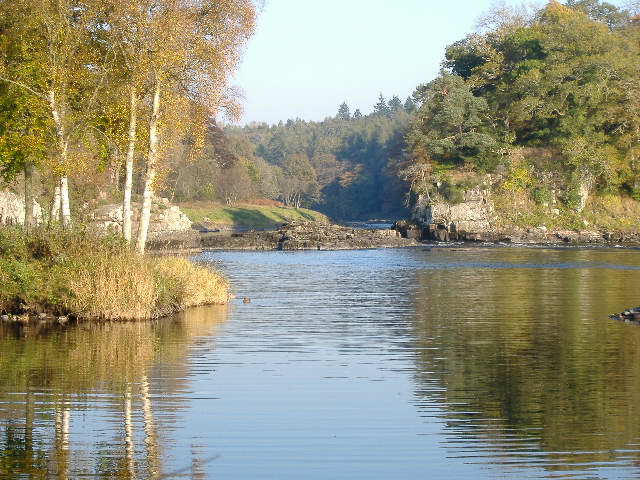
(546,98)
(547,101)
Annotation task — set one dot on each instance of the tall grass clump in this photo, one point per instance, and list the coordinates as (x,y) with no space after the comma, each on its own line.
(180,283)
(90,276)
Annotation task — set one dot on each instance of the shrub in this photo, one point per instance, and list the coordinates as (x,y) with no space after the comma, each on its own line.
(571,198)
(541,195)
(452,192)
(518,178)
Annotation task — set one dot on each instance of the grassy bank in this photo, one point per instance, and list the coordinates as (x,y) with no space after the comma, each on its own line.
(247,215)
(91,277)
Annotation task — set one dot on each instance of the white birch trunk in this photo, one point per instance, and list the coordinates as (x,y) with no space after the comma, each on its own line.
(64,202)
(55,206)
(63,147)
(128,182)
(28,195)
(152,157)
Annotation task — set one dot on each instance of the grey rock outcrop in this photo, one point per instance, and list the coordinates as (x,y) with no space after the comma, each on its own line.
(12,209)
(108,218)
(308,236)
(473,220)
(444,221)
(169,228)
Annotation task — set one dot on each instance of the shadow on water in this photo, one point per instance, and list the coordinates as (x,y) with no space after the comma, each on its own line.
(52,378)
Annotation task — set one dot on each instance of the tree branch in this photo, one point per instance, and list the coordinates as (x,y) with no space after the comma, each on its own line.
(26,87)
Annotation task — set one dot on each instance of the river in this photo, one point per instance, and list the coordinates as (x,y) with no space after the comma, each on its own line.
(447,362)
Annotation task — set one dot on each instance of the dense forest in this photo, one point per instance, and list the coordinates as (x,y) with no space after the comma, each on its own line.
(547,98)
(547,101)
(342,166)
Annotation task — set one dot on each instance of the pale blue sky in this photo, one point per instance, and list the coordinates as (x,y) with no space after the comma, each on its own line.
(308,56)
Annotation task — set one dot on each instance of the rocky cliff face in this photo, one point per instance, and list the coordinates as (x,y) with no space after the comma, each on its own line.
(12,209)
(444,221)
(473,220)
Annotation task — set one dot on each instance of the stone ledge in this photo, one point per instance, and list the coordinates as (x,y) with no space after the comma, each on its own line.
(308,236)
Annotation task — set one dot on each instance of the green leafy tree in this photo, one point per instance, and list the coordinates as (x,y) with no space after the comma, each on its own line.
(297,181)
(24,121)
(604,12)
(60,39)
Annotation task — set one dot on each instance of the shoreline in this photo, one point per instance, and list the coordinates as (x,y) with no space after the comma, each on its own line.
(324,236)
(535,236)
(67,275)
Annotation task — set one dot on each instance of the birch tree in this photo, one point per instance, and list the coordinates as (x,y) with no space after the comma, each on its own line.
(130,34)
(72,70)
(191,47)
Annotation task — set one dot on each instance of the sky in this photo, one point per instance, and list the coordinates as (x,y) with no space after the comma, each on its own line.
(309,56)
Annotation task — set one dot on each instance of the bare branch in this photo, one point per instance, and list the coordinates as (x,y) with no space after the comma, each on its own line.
(26,87)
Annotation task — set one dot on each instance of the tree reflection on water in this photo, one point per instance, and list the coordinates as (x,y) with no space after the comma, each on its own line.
(58,382)
(528,365)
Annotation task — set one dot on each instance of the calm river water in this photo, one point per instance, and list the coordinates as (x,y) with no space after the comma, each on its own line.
(377,364)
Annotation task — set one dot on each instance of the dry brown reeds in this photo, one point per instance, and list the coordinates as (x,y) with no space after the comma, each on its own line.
(129,286)
(89,277)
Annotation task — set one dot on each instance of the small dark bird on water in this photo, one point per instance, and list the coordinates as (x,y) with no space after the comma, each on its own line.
(246,300)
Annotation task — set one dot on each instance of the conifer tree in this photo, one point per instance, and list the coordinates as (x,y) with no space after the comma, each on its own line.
(343,112)
(395,103)
(382,108)
(409,105)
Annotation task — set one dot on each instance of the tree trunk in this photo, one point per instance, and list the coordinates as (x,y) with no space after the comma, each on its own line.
(28,195)
(55,206)
(114,169)
(64,202)
(63,148)
(128,182)
(152,157)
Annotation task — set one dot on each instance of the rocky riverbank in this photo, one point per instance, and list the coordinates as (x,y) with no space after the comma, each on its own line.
(308,236)
(526,236)
(475,218)
(171,231)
